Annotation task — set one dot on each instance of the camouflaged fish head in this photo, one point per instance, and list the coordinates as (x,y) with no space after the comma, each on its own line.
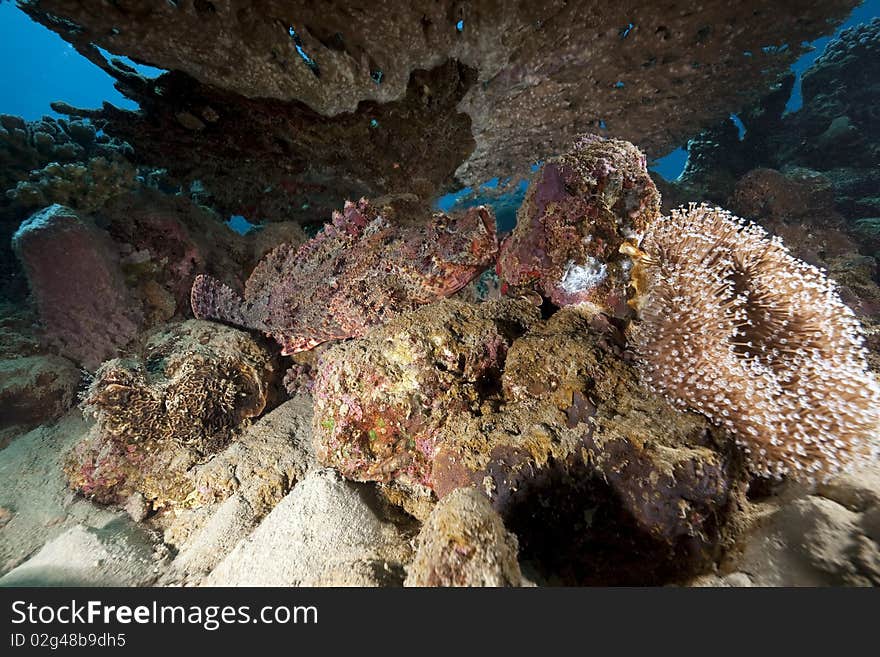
(359,271)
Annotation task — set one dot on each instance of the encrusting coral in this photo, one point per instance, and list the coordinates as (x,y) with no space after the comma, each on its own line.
(76,280)
(464,543)
(181,401)
(579,210)
(546,418)
(736,328)
(358,272)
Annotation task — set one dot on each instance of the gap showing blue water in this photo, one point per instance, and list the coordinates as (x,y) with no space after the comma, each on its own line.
(670,166)
(38,67)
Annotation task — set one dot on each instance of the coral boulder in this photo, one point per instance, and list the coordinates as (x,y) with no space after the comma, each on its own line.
(187,395)
(78,286)
(580,209)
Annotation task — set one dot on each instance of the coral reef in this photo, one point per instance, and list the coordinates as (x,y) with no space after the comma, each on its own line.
(464,543)
(267,80)
(28,146)
(421,403)
(380,401)
(580,209)
(606,396)
(841,127)
(270,159)
(187,395)
(358,272)
(85,187)
(63,148)
(77,283)
(836,132)
(735,327)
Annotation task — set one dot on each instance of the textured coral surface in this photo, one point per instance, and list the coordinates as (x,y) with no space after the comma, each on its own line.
(77,283)
(546,424)
(540,73)
(579,211)
(183,399)
(464,543)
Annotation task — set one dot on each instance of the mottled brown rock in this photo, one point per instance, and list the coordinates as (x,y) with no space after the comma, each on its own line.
(596,475)
(380,401)
(464,543)
(601,480)
(33,390)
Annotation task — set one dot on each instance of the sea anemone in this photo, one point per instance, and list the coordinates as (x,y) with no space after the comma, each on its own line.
(735,327)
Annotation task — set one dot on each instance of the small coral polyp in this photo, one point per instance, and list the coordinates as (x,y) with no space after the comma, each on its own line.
(579,210)
(735,327)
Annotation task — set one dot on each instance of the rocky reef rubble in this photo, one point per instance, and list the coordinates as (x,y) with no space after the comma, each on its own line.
(464,543)
(184,398)
(830,537)
(546,419)
(580,209)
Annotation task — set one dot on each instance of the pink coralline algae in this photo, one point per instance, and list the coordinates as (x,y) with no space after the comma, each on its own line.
(360,271)
(77,283)
(580,209)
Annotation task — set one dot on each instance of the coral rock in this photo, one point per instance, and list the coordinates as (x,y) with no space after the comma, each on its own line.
(595,474)
(580,209)
(84,187)
(539,73)
(358,272)
(76,281)
(35,390)
(549,420)
(194,386)
(464,543)
(381,400)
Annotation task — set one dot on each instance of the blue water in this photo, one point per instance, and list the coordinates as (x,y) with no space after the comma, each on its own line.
(861,14)
(41,67)
(37,67)
(671,165)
